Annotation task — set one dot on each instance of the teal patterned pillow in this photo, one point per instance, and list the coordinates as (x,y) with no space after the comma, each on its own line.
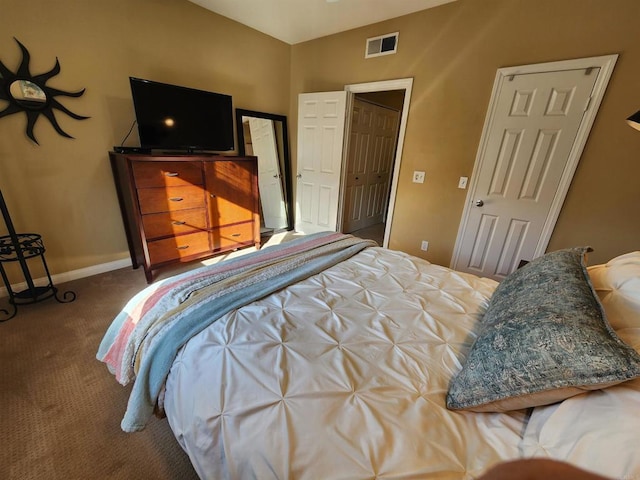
(543,338)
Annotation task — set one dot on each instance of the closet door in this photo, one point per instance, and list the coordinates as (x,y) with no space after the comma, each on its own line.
(373,134)
(538,121)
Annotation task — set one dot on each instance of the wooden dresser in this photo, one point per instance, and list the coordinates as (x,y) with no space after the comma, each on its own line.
(178,208)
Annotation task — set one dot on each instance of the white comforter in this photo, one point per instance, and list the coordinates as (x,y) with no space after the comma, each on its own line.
(340,376)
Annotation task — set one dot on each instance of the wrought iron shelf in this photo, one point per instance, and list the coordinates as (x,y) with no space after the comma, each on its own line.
(20,247)
(29,243)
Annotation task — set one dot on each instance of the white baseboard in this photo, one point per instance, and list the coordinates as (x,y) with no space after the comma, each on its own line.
(72,275)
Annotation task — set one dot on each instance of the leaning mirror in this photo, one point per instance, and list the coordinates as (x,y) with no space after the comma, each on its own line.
(265,136)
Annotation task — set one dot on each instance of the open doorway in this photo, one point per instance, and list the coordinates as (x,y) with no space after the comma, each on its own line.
(324,121)
(395,95)
(373,136)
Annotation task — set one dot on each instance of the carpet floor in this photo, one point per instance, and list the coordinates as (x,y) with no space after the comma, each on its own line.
(60,408)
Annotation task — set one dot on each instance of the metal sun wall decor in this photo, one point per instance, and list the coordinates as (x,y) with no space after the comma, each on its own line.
(29,94)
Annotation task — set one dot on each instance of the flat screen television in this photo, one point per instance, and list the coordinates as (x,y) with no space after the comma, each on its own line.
(172,117)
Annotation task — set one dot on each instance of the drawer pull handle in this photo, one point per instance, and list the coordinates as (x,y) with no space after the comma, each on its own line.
(236,234)
(172,174)
(176,222)
(182,247)
(176,199)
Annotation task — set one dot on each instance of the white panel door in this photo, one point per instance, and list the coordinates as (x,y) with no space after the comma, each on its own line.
(265,147)
(321,119)
(373,134)
(531,133)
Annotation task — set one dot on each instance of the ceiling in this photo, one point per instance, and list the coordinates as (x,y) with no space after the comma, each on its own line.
(295,21)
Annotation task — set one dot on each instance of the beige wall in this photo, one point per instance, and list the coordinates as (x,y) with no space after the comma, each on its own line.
(453,52)
(63,188)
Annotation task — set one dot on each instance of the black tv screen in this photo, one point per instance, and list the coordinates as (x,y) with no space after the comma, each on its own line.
(180,118)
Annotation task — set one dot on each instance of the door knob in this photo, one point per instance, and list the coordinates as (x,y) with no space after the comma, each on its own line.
(479,203)
(299,175)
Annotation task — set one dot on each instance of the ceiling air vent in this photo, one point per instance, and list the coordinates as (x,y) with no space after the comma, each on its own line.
(382,45)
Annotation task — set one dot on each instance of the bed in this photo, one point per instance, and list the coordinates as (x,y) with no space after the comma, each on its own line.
(330,357)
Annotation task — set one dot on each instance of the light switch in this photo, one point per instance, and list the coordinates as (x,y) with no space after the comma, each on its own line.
(418,177)
(463,182)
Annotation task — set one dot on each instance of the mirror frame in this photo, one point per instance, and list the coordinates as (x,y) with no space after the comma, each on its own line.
(287,184)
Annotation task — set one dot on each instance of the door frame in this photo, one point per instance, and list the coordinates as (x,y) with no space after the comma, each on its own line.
(606,64)
(405,84)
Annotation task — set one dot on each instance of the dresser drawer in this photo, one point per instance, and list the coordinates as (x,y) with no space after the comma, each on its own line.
(174,223)
(178,247)
(230,235)
(167,174)
(169,199)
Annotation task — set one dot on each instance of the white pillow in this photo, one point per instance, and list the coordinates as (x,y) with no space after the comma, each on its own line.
(599,430)
(617,284)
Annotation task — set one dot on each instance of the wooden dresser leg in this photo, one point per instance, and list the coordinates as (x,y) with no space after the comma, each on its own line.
(148,274)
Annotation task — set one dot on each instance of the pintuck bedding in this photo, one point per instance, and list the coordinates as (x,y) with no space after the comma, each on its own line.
(342,374)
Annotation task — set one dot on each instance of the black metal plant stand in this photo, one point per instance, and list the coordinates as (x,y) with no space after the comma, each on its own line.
(19,247)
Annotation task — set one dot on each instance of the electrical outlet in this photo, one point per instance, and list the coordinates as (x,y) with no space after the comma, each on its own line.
(418,177)
(424,246)
(462,183)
